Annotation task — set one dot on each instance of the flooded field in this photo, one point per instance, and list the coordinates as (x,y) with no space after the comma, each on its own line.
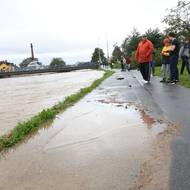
(23,97)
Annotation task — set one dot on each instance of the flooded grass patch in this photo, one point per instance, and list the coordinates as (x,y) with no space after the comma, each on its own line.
(22,130)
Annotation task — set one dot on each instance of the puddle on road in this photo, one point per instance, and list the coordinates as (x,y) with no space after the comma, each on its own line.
(120,78)
(147,119)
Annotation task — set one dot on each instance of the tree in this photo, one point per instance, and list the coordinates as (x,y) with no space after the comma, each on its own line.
(56,62)
(116,54)
(155,36)
(131,42)
(98,56)
(178,19)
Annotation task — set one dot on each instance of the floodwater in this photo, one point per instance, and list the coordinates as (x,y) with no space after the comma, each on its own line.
(96,144)
(23,97)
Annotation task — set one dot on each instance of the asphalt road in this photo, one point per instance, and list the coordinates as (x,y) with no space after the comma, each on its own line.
(174,104)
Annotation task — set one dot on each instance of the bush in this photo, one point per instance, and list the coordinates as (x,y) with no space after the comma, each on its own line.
(134,63)
(56,62)
(117,65)
(158,57)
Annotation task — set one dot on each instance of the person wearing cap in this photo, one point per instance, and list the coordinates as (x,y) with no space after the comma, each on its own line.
(166,59)
(144,55)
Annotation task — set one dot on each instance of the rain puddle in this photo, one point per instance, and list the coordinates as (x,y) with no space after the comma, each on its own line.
(120,78)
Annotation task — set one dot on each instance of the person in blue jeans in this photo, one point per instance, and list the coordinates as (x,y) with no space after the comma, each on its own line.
(166,59)
(153,63)
(174,56)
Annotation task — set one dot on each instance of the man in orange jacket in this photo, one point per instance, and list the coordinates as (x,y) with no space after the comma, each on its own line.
(144,57)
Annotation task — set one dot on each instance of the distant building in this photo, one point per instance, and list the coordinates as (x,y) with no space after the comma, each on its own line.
(6,66)
(27,61)
(31,63)
(35,65)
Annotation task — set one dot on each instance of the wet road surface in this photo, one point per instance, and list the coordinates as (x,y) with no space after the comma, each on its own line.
(174,103)
(23,97)
(100,143)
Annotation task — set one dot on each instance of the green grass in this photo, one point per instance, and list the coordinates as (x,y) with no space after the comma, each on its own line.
(117,66)
(184,79)
(24,129)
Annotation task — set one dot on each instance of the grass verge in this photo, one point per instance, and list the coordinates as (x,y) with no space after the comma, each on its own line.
(22,130)
(184,79)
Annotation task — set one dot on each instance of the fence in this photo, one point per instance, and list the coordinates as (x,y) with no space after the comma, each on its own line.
(49,70)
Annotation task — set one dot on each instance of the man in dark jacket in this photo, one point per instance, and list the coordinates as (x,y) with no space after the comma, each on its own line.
(174,56)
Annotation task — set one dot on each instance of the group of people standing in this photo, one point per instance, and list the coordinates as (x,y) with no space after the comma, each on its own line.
(171,53)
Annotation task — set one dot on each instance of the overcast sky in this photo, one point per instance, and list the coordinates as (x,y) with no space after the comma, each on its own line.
(71,29)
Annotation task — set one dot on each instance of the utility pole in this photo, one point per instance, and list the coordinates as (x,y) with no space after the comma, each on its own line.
(100,61)
(99,57)
(114,45)
(32,51)
(107,45)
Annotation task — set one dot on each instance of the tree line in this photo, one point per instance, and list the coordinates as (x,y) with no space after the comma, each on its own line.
(177,20)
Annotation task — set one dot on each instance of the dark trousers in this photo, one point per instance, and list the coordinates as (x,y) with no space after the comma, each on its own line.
(185,62)
(153,64)
(145,70)
(174,73)
(122,67)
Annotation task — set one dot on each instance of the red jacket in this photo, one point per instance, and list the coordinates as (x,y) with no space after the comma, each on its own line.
(144,51)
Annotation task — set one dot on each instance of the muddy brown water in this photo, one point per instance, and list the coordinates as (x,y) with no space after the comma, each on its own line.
(93,145)
(23,97)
